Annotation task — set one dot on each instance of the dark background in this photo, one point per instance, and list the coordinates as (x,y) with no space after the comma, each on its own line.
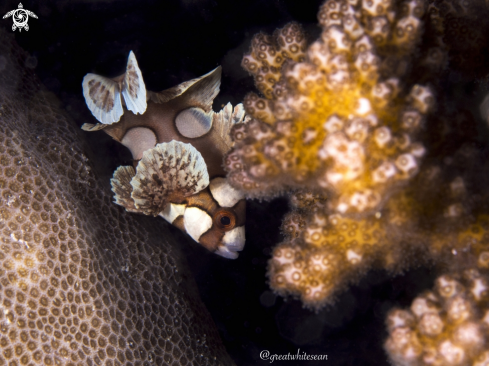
(175,41)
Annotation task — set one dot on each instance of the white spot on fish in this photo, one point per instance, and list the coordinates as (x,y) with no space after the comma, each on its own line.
(196,222)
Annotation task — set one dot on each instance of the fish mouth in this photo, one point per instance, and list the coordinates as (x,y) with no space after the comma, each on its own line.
(232,242)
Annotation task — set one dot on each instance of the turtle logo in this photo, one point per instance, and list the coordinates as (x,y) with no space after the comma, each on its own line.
(20,17)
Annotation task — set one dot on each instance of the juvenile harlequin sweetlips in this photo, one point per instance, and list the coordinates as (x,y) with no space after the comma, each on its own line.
(177,142)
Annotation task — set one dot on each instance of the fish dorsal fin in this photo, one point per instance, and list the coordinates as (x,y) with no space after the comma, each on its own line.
(226,119)
(194,122)
(200,92)
(103,95)
(169,169)
(133,88)
(121,186)
(103,98)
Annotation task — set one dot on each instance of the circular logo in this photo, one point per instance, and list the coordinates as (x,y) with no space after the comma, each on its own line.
(20,18)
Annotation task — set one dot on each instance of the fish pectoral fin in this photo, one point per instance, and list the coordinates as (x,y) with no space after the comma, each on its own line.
(168,169)
(133,88)
(121,186)
(199,92)
(103,98)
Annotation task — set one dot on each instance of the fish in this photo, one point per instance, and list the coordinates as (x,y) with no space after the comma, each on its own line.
(177,143)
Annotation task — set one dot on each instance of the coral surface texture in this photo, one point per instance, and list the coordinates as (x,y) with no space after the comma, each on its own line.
(82,282)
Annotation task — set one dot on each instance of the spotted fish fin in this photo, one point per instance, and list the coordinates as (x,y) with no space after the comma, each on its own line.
(226,119)
(199,92)
(103,95)
(103,98)
(133,88)
(172,169)
(121,186)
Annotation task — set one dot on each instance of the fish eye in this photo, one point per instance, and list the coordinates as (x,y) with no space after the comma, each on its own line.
(225,220)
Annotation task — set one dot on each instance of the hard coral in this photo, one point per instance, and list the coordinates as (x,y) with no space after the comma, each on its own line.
(459,28)
(338,123)
(336,117)
(323,253)
(438,218)
(446,326)
(81,281)
(344,125)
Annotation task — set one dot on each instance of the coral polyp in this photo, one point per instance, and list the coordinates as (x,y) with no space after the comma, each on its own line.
(268,54)
(331,252)
(446,326)
(345,128)
(337,116)
(339,123)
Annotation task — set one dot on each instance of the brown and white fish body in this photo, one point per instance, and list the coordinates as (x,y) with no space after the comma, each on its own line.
(177,142)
